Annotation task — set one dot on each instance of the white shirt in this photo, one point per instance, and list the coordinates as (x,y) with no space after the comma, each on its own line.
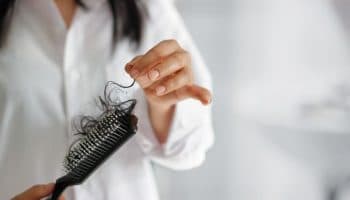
(49,75)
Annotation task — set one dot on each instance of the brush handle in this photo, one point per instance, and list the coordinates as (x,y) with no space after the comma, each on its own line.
(60,185)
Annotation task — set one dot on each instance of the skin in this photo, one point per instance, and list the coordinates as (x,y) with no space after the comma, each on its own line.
(67,10)
(165,75)
(36,192)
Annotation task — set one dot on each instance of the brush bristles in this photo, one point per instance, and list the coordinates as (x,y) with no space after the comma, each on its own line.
(102,139)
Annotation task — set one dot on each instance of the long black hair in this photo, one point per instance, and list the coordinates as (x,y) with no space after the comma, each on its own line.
(128,18)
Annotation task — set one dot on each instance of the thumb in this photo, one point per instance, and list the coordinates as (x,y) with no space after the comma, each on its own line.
(37,192)
(196,92)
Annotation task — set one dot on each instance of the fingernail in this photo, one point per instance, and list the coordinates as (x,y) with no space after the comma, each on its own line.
(153,75)
(128,67)
(160,90)
(134,73)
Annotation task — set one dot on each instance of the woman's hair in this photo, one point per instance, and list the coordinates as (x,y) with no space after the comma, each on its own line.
(128,19)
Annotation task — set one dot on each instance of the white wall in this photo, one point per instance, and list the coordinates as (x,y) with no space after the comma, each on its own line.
(264,44)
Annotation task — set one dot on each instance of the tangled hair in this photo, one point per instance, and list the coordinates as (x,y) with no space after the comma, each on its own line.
(128,19)
(112,127)
(109,106)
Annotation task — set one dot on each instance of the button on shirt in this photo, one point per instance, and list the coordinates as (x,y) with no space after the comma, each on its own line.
(49,75)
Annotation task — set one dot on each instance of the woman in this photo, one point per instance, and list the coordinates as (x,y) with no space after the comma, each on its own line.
(55,59)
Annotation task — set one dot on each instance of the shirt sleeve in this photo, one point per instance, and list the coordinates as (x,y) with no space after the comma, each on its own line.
(191,132)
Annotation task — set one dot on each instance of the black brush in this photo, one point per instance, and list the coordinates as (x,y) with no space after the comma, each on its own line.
(101,138)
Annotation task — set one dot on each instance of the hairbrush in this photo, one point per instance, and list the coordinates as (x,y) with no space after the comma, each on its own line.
(101,137)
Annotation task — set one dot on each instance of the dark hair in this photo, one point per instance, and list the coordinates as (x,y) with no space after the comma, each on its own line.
(128,19)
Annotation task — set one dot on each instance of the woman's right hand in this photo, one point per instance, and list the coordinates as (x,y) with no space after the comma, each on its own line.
(36,192)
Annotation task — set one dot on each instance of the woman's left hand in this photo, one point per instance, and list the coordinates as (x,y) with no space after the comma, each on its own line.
(37,192)
(165,74)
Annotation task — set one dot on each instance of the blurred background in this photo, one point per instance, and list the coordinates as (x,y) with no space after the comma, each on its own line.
(281,72)
(207,21)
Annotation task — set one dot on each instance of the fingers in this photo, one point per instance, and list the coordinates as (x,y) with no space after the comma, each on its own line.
(189,91)
(40,191)
(130,65)
(195,92)
(36,192)
(165,74)
(171,83)
(173,63)
(153,57)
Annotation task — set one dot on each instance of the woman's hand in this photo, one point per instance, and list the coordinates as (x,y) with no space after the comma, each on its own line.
(165,74)
(37,192)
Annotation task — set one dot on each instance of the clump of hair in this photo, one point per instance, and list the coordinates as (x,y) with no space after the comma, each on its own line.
(110,106)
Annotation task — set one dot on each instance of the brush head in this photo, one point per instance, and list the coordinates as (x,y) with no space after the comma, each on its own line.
(101,140)
(101,136)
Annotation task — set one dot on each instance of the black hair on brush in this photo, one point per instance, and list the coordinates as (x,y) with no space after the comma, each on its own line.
(99,138)
(107,104)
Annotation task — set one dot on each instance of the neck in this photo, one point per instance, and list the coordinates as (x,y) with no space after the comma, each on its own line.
(67,10)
